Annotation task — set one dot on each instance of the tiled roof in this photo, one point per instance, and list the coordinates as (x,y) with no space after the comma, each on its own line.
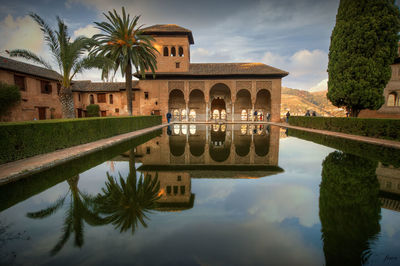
(227,69)
(168,29)
(88,86)
(25,68)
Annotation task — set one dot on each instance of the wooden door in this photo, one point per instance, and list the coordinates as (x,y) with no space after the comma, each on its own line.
(79,113)
(42,113)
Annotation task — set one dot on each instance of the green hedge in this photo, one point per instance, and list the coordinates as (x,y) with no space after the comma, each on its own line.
(22,189)
(386,155)
(24,139)
(93,110)
(370,127)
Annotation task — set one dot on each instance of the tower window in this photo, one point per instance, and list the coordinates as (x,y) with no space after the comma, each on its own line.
(173,51)
(146,95)
(165,51)
(180,51)
(91,99)
(177,64)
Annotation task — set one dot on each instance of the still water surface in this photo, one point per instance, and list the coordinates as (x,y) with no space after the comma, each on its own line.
(226,195)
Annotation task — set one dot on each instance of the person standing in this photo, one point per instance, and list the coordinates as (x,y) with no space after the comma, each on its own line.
(308,113)
(287,116)
(169,117)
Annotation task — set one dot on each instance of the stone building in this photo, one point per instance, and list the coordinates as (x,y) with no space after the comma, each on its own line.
(192,91)
(39,90)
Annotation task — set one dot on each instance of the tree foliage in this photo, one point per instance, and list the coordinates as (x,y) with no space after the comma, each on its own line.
(124,42)
(349,208)
(364,44)
(9,96)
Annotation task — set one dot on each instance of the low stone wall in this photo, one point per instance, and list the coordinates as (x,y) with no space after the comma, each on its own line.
(24,139)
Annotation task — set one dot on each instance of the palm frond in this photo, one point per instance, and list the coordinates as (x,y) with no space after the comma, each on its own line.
(48,211)
(29,56)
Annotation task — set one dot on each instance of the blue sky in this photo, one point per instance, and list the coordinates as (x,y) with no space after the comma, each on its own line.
(291,35)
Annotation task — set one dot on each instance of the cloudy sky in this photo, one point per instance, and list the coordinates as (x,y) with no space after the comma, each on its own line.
(287,34)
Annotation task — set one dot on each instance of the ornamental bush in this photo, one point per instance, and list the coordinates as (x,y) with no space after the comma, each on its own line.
(9,96)
(93,110)
(370,127)
(24,139)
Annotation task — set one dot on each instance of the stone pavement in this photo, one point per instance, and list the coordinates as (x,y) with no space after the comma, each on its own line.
(13,171)
(375,141)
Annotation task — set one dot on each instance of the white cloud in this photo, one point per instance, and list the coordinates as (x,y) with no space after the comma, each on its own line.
(321,86)
(20,33)
(88,31)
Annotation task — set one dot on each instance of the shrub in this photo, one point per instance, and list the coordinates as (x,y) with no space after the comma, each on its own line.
(93,110)
(370,127)
(9,96)
(24,139)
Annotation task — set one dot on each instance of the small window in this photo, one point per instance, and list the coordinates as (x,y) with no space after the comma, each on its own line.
(101,98)
(19,81)
(179,178)
(79,97)
(183,190)
(117,110)
(146,95)
(166,51)
(175,189)
(45,87)
(168,189)
(180,51)
(111,99)
(173,51)
(59,89)
(91,99)
(147,150)
(177,64)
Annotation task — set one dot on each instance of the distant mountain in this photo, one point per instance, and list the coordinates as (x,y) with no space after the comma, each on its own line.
(299,101)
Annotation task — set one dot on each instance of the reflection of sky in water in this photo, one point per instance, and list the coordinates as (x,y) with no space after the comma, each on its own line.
(272,220)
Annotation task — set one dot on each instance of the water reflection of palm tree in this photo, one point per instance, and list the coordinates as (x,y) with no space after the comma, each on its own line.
(125,203)
(80,209)
(349,208)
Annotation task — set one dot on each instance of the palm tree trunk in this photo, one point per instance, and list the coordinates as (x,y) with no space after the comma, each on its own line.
(67,102)
(128,86)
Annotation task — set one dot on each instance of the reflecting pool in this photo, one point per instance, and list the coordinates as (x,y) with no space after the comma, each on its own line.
(210,195)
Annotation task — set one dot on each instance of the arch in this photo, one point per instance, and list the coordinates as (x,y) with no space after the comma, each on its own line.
(197,142)
(215,114)
(183,115)
(173,51)
(243,103)
(197,104)
(220,148)
(192,115)
(261,143)
(91,99)
(177,144)
(242,141)
(392,98)
(220,96)
(263,103)
(166,52)
(180,51)
(176,104)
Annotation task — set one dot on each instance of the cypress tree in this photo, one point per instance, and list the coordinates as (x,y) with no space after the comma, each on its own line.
(364,44)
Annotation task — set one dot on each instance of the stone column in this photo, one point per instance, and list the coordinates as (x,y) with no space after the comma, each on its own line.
(206,111)
(187,111)
(233,112)
(252,112)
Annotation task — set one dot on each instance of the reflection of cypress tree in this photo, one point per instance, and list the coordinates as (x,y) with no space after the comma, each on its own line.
(349,208)
(125,203)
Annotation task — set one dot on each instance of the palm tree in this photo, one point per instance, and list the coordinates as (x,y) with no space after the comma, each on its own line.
(67,54)
(126,203)
(125,44)
(80,209)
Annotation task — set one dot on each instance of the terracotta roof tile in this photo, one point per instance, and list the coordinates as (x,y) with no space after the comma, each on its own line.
(88,86)
(169,29)
(25,68)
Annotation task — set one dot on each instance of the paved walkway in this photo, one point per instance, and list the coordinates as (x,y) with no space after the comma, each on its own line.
(13,171)
(383,142)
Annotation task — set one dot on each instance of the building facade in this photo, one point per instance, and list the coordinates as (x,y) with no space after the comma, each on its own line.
(189,91)
(39,91)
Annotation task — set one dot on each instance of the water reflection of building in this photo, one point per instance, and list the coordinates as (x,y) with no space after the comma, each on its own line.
(389,182)
(207,151)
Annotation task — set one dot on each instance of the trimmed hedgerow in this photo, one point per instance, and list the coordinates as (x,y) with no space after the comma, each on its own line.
(24,139)
(15,192)
(93,110)
(9,96)
(370,127)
